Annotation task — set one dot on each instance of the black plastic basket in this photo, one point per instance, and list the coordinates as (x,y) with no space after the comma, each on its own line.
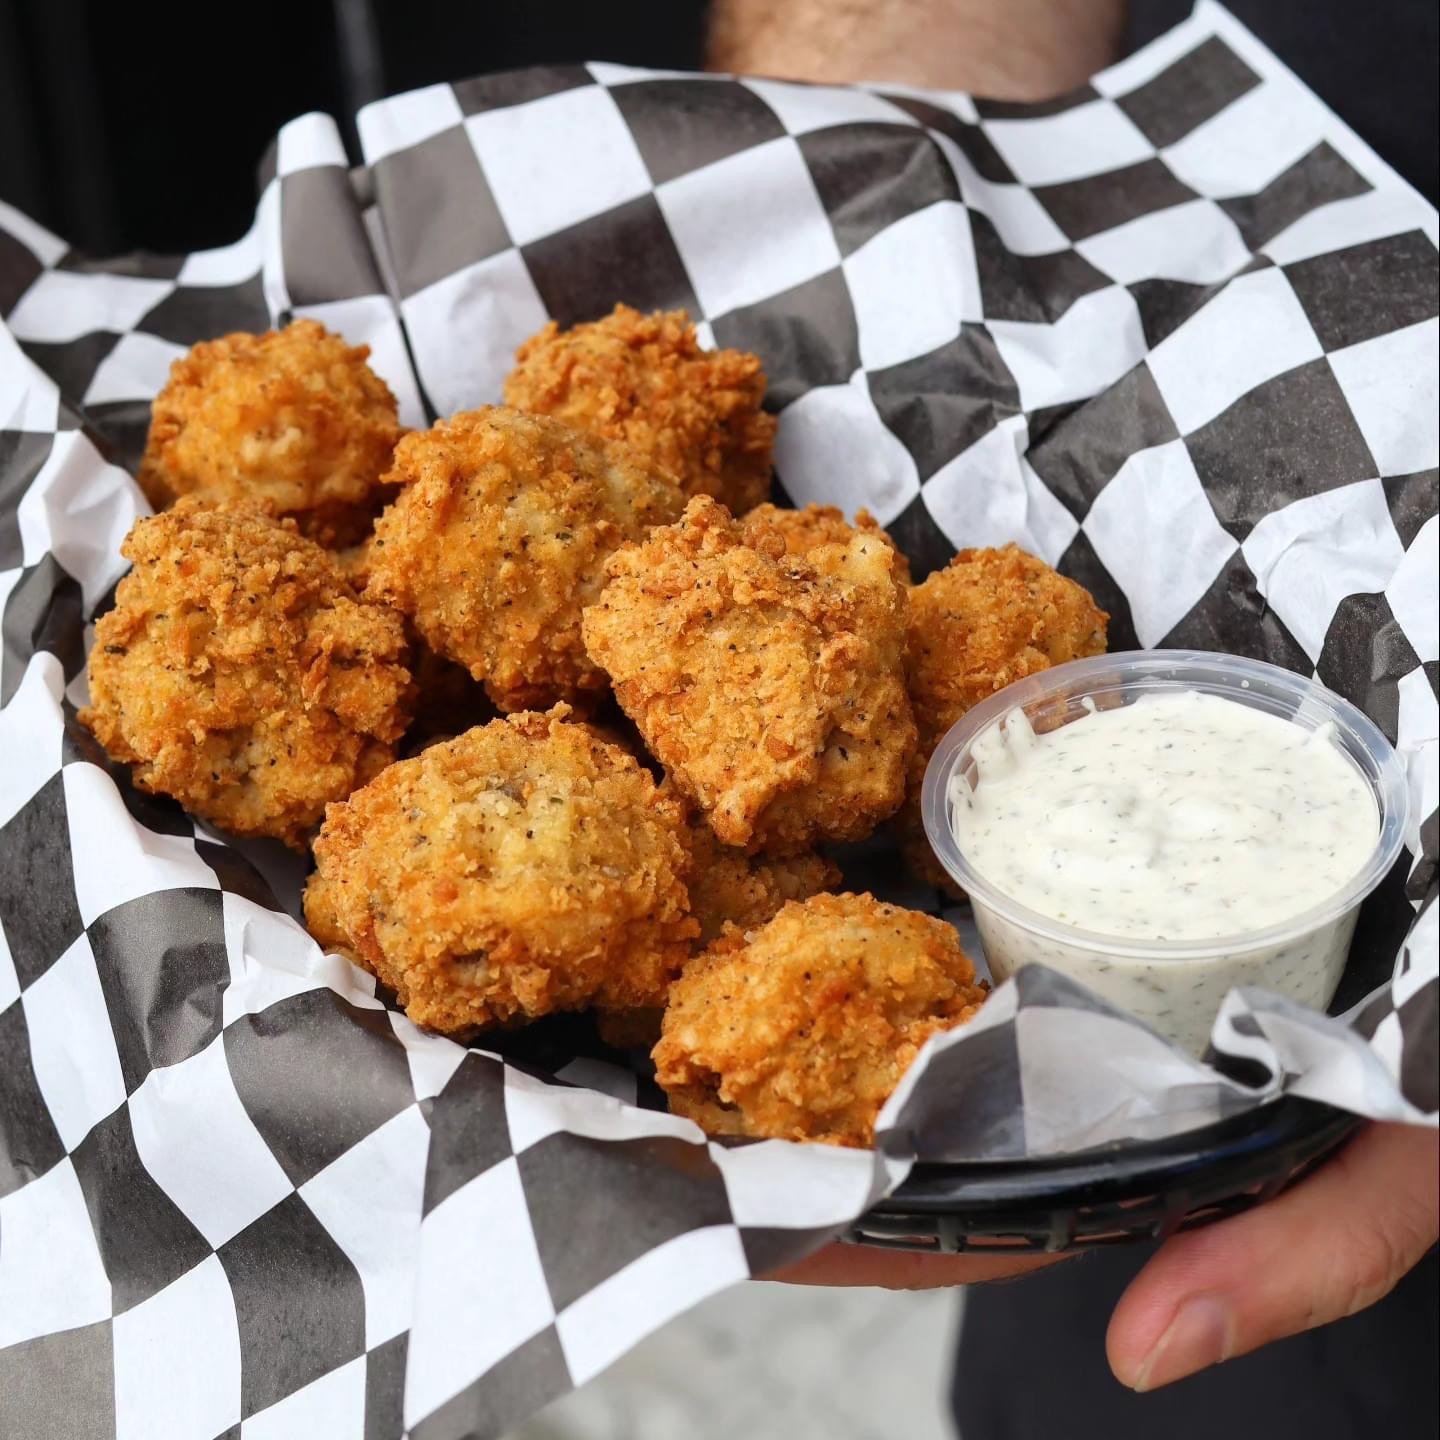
(1114,1194)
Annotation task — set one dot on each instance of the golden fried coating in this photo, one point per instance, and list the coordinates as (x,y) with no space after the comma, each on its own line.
(802,531)
(521,868)
(240,673)
(293,419)
(643,379)
(801,1029)
(991,617)
(498,540)
(770,688)
(729,887)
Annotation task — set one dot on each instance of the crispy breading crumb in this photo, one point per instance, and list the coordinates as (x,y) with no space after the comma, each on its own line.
(524,867)
(729,887)
(499,539)
(293,419)
(803,531)
(645,380)
(240,673)
(801,1029)
(769,687)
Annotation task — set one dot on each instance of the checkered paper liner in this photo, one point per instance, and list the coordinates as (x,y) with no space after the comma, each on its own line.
(1175,332)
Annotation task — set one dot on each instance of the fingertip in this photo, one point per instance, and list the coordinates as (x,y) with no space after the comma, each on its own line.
(1130,1336)
(1150,1303)
(1334,1243)
(1201,1334)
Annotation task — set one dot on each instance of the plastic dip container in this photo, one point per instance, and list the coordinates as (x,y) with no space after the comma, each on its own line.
(1175,986)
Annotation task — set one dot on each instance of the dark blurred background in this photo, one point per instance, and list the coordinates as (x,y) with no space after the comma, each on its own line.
(139,125)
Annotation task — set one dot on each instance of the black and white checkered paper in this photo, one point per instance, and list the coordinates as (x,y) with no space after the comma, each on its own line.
(1176,333)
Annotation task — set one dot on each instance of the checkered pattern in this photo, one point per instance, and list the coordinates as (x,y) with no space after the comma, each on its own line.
(1182,313)
(235,1187)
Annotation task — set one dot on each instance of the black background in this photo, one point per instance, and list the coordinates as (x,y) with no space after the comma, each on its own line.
(139,126)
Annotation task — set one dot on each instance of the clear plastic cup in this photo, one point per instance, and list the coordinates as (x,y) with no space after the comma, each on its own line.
(1175,986)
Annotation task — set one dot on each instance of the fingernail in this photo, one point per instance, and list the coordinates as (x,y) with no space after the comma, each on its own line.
(1200,1335)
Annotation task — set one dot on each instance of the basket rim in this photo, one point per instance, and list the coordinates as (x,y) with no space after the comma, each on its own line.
(1121,1169)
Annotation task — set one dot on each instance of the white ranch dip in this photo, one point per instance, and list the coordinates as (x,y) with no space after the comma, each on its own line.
(1181,817)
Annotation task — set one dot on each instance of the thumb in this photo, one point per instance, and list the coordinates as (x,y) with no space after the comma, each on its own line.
(1335,1244)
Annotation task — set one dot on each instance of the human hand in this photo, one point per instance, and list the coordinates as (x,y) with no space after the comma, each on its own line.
(1006,49)
(1336,1243)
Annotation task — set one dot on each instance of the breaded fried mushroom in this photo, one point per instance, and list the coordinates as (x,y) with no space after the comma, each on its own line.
(991,617)
(498,540)
(645,380)
(801,1029)
(806,529)
(769,685)
(521,868)
(293,419)
(729,887)
(241,674)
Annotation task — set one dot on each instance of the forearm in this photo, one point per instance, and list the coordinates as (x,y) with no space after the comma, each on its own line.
(1006,49)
